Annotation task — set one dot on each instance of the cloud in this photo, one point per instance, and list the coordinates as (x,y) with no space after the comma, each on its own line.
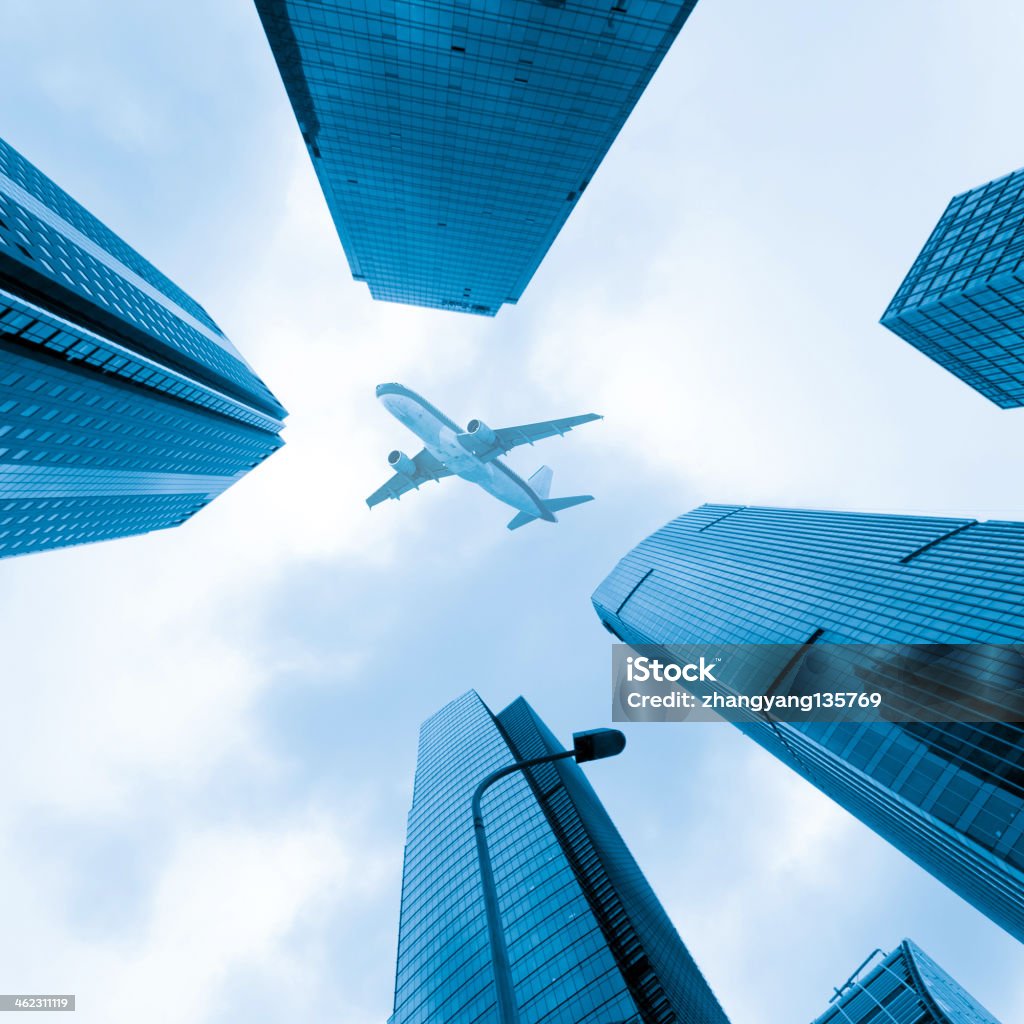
(230,899)
(214,726)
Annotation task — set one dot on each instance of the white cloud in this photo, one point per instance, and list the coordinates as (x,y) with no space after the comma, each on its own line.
(230,899)
(720,314)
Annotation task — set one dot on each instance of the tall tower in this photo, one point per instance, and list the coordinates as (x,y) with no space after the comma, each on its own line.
(589,943)
(453,140)
(951,796)
(905,987)
(123,407)
(962,302)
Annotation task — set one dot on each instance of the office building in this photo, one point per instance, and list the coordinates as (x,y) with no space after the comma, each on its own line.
(951,796)
(452,141)
(123,407)
(588,941)
(962,303)
(905,986)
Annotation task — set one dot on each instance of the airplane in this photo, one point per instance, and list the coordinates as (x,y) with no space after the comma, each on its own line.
(474,454)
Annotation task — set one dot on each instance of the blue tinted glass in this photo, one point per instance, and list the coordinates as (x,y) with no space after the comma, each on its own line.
(906,986)
(949,795)
(588,941)
(123,408)
(962,302)
(452,141)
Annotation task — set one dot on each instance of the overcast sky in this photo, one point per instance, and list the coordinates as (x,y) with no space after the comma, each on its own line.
(210,733)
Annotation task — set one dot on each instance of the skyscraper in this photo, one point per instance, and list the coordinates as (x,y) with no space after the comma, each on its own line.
(951,796)
(905,987)
(452,141)
(123,407)
(962,303)
(589,943)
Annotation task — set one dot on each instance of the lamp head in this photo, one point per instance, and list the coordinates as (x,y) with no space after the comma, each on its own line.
(595,744)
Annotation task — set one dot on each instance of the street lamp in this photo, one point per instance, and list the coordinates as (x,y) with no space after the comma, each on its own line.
(591,745)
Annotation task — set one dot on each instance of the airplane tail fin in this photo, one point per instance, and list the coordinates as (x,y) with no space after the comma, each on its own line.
(554,504)
(541,481)
(557,504)
(541,484)
(520,520)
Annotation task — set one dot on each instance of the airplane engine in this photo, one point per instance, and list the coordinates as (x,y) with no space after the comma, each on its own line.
(478,437)
(401,463)
(480,431)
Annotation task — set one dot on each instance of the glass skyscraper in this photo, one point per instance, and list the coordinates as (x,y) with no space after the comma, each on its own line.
(452,140)
(905,987)
(588,941)
(123,407)
(951,796)
(962,303)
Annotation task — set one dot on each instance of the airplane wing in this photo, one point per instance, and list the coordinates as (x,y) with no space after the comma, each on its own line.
(427,468)
(508,438)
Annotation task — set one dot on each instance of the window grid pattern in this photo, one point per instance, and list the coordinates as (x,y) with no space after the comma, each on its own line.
(950,796)
(94,273)
(87,457)
(665,982)
(906,987)
(28,526)
(25,324)
(123,408)
(962,303)
(565,971)
(452,141)
(562,970)
(15,167)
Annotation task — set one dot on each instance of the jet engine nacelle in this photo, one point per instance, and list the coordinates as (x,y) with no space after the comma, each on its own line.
(401,463)
(478,437)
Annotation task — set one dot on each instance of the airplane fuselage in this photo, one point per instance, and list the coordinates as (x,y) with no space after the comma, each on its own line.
(439,435)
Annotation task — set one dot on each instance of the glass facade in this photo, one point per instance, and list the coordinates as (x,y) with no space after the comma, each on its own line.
(452,140)
(949,795)
(588,941)
(123,408)
(905,987)
(962,303)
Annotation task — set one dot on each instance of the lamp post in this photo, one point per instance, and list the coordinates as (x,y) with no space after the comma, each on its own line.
(591,745)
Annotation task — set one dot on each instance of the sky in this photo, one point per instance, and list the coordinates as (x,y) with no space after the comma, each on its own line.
(210,732)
